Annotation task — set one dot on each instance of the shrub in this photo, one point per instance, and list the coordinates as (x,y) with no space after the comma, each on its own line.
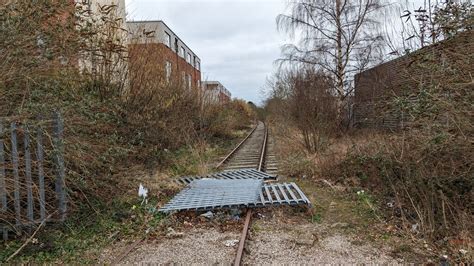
(426,167)
(57,56)
(304,99)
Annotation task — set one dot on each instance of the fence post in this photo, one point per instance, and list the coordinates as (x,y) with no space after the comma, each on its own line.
(29,181)
(60,178)
(40,159)
(3,187)
(16,174)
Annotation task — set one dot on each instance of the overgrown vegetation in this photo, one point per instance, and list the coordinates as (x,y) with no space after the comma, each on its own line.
(422,174)
(303,99)
(428,165)
(68,58)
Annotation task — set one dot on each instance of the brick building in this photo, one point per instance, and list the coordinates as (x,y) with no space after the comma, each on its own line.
(179,62)
(215,92)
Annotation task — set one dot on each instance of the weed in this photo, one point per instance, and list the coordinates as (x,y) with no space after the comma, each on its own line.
(386,236)
(402,248)
(369,201)
(316,218)
(256,228)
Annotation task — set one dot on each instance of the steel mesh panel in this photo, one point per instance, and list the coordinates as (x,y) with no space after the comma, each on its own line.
(207,194)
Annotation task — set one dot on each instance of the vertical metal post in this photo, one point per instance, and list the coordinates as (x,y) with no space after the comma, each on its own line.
(16,174)
(60,178)
(3,187)
(40,159)
(29,180)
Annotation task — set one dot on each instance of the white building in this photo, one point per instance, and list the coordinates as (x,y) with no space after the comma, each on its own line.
(156,31)
(119,7)
(108,17)
(215,92)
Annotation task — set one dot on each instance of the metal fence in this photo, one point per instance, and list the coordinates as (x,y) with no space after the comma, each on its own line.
(32,173)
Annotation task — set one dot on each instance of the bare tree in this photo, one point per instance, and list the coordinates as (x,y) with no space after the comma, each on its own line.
(338,36)
(435,21)
(302,97)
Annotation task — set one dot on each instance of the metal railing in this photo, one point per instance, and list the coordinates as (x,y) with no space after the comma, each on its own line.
(29,169)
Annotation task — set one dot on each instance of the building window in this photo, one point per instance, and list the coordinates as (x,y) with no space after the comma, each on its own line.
(188,58)
(189,81)
(198,65)
(183,52)
(176,47)
(168,71)
(167,39)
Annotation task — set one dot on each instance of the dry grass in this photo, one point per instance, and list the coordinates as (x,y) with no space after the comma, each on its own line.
(423,171)
(389,167)
(55,60)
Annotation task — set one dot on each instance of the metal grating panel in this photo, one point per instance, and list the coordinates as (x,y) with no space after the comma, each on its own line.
(282,194)
(230,174)
(208,194)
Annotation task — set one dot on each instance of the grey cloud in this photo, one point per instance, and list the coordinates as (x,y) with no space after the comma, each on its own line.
(237,40)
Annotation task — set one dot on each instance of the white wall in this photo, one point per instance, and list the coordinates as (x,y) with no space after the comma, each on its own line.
(120,11)
(156,33)
(119,65)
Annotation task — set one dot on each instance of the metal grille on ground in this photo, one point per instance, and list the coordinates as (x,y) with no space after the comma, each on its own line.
(241,184)
(206,194)
(230,174)
(282,194)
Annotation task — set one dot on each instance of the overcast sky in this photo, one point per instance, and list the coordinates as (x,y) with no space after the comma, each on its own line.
(237,40)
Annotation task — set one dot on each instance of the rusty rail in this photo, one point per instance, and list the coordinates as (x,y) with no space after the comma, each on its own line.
(248,218)
(264,150)
(243,237)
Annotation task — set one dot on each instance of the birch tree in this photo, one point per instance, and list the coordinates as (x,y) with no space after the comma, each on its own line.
(338,36)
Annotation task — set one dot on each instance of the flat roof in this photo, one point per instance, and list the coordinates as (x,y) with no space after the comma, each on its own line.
(214,82)
(161,21)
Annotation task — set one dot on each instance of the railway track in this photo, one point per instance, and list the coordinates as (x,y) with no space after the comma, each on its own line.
(255,151)
(250,153)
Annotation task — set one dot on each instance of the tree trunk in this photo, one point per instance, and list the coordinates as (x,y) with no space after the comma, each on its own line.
(339,56)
